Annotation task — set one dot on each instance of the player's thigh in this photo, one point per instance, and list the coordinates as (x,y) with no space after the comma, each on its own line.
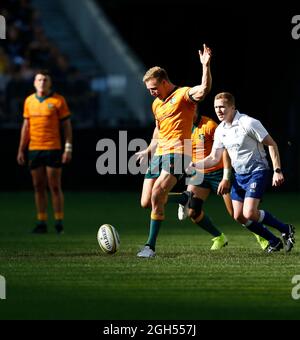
(164,183)
(147,192)
(228,204)
(199,192)
(39,178)
(54,177)
(238,210)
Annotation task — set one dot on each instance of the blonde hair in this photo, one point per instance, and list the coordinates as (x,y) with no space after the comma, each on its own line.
(227,96)
(156,72)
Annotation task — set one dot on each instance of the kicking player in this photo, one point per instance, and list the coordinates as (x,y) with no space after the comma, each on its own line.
(44,114)
(174,109)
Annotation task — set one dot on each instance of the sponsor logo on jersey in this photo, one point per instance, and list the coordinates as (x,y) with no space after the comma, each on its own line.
(201,136)
(173,100)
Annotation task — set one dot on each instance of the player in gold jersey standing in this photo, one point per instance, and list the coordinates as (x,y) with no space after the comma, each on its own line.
(174,109)
(45,112)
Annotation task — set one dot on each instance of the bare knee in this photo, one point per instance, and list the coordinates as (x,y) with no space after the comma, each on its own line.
(55,188)
(39,186)
(146,203)
(250,214)
(157,196)
(238,217)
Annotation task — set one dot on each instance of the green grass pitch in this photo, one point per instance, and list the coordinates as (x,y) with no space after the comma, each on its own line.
(68,277)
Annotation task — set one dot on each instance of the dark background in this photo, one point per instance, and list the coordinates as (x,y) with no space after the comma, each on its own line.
(254,57)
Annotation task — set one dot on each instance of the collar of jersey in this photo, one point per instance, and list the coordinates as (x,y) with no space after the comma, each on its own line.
(235,120)
(175,88)
(41,99)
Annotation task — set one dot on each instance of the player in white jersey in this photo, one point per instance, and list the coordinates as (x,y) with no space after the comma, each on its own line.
(244,138)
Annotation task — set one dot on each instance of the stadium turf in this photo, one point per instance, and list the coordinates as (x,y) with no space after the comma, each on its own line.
(68,277)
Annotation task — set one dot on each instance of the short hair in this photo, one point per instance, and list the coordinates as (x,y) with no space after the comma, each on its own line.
(156,72)
(43,72)
(227,96)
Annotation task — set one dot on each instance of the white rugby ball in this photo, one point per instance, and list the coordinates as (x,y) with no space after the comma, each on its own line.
(108,239)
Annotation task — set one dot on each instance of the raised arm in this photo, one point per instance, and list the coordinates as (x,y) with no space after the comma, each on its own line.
(278,177)
(199,92)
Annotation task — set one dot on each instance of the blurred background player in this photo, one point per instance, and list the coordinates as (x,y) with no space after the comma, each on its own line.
(244,138)
(45,112)
(174,109)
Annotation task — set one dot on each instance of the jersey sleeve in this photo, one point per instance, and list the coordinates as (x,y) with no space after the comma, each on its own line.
(255,129)
(26,109)
(63,111)
(187,96)
(217,140)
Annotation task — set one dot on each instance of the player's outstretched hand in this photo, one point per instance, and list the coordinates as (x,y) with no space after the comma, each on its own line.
(142,156)
(205,56)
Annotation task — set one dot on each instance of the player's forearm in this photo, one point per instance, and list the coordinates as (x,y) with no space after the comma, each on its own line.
(207,162)
(211,160)
(226,160)
(227,165)
(24,139)
(206,82)
(275,157)
(199,92)
(24,142)
(68,135)
(154,141)
(152,146)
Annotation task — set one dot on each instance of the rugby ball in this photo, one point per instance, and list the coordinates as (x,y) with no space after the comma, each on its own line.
(108,239)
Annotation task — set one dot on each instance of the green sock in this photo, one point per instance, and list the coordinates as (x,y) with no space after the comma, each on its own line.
(154,230)
(208,226)
(181,198)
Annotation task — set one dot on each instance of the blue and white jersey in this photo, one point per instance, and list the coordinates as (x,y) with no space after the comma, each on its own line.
(243,141)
